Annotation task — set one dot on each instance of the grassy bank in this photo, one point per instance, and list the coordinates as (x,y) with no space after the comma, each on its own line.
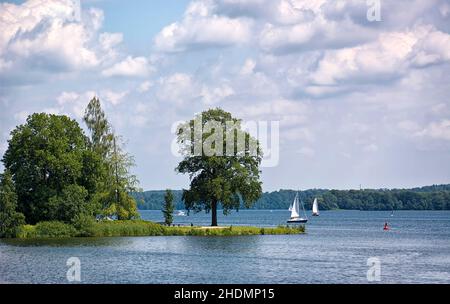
(141,228)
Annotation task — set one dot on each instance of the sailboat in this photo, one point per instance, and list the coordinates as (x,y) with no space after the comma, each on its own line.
(315,208)
(295,212)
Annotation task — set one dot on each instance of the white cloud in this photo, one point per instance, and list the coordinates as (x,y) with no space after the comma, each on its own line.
(288,112)
(67,97)
(21,116)
(310,35)
(74,103)
(248,67)
(201,28)
(130,66)
(215,95)
(52,36)
(177,88)
(110,40)
(113,97)
(300,134)
(437,130)
(108,44)
(275,11)
(143,114)
(38,28)
(392,55)
(433,47)
(145,86)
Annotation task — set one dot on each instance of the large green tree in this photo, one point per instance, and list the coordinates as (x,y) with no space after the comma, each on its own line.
(10,219)
(45,156)
(116,182)
(222,161)
(100,144)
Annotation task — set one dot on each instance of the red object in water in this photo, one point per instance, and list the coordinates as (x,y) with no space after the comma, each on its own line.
(386,226)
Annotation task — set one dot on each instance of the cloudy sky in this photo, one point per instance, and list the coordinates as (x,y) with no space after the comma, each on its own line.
(359,102)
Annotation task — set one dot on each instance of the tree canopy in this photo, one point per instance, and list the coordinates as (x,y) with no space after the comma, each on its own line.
(225,170)
(45,156)
(54,172)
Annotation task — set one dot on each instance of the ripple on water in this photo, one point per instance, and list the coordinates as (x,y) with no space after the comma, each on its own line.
(335,249)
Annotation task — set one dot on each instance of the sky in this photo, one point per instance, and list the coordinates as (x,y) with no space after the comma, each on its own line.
(359,101)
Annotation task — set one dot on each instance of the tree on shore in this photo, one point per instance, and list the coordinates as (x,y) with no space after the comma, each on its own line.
(168,207)
(228,176)
(117,182)
(10,219)
(117,200)
(45,157)
(54,172)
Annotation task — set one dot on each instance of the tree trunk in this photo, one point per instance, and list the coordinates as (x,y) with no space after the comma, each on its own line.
(214,213)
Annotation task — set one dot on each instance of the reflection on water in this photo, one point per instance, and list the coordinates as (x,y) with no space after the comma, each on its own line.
(335,249)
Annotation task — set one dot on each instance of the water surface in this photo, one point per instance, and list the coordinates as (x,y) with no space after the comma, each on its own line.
(335,249)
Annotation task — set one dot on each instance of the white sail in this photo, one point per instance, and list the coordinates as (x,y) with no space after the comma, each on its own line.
(315,208)
(295,208)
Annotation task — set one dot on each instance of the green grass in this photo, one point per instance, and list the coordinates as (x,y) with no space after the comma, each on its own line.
(232,231)
(52,229)
(127,228)
(142,228)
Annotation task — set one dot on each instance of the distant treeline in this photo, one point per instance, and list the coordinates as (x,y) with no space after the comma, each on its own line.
(435,197)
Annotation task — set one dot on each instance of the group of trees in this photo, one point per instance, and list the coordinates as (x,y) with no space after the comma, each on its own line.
(53,171)
(396,199)
(425,198)
(153,199)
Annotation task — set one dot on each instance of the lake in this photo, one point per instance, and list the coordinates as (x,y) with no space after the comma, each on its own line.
(335,249)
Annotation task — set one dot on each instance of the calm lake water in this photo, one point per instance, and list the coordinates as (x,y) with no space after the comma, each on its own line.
(335,249)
